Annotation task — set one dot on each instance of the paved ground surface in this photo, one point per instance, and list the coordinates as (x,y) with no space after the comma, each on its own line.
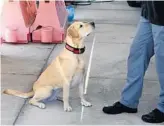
(115,28)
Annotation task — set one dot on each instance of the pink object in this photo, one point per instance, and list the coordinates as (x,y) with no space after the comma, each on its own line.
(11,35)
(50,14)
(29,10)
(0,41)
(17,14)
(46,35)
(36,36)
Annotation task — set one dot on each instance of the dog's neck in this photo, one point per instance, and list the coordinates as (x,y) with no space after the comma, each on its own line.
(75,42)
(74,46)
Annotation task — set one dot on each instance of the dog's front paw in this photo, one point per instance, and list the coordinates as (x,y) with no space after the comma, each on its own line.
(42,105)
(86,103)
(67,108)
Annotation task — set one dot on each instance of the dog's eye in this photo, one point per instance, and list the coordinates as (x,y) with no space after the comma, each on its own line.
(81,26)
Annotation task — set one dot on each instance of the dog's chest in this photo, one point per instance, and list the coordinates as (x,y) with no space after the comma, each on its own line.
(79,73)
(76,80)
(80,62)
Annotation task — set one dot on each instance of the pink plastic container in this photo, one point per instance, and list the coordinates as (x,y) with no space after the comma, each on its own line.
(47,35)
(50,14)
(15,14)
(1,42)
(11,35)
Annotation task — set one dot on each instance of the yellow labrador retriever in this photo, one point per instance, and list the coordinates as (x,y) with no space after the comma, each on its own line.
(65,71)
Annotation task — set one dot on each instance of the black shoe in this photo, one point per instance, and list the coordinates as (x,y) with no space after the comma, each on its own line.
(118,108)
(155,116)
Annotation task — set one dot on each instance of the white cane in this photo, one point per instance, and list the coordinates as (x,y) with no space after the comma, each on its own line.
(87,76)
(89,66)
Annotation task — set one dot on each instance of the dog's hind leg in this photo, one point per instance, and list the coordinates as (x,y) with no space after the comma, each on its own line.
(41,94)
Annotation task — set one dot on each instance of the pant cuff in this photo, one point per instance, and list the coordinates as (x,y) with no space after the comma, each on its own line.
(160,108)
(127,104)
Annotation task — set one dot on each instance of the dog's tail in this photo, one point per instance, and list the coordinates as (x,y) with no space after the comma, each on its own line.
(18,93)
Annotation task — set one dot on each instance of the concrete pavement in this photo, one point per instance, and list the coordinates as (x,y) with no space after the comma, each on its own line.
(115,28)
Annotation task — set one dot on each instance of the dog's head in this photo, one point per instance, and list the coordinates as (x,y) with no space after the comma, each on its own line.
(79,30)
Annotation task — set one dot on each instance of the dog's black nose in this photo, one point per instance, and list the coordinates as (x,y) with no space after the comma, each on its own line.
(93,24)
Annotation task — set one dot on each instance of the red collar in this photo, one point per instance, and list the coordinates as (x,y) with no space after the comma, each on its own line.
(75,50)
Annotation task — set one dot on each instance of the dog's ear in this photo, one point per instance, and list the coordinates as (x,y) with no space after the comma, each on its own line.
(72,32)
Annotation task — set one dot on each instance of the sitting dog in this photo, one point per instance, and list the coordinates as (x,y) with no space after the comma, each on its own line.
(66,70)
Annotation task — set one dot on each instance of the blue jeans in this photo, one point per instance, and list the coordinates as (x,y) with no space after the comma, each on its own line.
(148,41)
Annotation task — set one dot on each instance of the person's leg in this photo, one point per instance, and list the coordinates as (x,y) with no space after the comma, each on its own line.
(157,115)
(158,33)
(140,53)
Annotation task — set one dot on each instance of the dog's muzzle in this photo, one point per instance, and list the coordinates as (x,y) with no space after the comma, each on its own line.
(92,24)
